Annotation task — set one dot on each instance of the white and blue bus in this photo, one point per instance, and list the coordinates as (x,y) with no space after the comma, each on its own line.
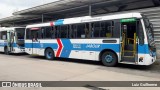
(12,40)
(121,38)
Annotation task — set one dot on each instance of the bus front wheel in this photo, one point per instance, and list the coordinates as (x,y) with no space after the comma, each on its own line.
(49,54)
(109,59)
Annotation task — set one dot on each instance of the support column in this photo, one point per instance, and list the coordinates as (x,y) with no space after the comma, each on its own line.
(42,18)
(90,25)
(13,24)
(90,10)
(156,2)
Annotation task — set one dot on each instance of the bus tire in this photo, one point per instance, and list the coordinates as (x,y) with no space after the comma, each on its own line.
(6,51)
(49,54)
(109,59)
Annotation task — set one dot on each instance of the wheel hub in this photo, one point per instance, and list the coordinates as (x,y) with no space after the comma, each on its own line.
(49,54)
(109,58)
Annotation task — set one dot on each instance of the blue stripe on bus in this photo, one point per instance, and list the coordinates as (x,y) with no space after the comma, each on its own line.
(41,45)
(68,47)
(143,49)
(3,44)
(6,44)
(14,45)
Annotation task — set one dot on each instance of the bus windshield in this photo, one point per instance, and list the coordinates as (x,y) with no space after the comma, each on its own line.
(149,31)
(20,33)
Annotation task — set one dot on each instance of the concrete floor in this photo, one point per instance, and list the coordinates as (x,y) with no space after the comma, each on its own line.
(29,68)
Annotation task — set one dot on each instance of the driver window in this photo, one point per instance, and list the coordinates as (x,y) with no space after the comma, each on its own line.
(4,35)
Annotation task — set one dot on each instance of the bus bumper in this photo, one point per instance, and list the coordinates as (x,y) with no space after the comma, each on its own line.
(149,60)
(18,50)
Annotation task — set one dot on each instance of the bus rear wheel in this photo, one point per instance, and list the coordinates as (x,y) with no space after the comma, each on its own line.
(6,51)
(109,59)
(49,54)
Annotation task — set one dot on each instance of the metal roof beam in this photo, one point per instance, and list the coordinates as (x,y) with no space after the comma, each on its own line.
(121,8)
(156,2)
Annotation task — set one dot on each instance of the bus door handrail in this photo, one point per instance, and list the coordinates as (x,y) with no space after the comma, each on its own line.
(123,43)
(134,43)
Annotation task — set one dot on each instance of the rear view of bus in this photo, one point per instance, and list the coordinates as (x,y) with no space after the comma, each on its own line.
(120,38)
(12,40)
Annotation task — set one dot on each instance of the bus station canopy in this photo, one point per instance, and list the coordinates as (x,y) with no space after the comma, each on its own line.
(59,6)
(73,8)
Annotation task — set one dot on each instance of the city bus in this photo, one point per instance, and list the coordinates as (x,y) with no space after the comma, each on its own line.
(120,38)
(12,40)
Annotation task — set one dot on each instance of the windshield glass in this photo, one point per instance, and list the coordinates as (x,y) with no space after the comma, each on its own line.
(20,32)
(149,31)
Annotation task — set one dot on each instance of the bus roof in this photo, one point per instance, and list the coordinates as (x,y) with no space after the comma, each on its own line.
(85,19)
(9,28)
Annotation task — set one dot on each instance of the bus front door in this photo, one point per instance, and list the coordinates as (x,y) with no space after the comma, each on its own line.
(10,40)
(129,42)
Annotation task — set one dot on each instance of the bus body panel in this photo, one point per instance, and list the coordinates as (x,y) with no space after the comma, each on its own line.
(84,49)
(89,49)
(2,44)
(144,52)
(85,19)
(78,50)
(5,43)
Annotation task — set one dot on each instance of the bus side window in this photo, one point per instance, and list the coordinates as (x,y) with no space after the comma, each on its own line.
(96,28)
(52,31)
(43,36)
(55,28)
(39,34)
(71,32)
(74,31)
(4,35)
(64,31)
(34,35)
(81,30)
(87,31)
(116,29)
(106,29)
(47,33)
(57,31)
(103,30)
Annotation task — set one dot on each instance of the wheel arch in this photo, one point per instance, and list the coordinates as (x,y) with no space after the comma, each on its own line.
(48,48)
(105,50)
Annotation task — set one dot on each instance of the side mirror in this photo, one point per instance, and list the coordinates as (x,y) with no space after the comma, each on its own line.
(151,24)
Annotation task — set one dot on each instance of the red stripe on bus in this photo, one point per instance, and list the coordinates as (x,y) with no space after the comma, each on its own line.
(60,47)
(51,24)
